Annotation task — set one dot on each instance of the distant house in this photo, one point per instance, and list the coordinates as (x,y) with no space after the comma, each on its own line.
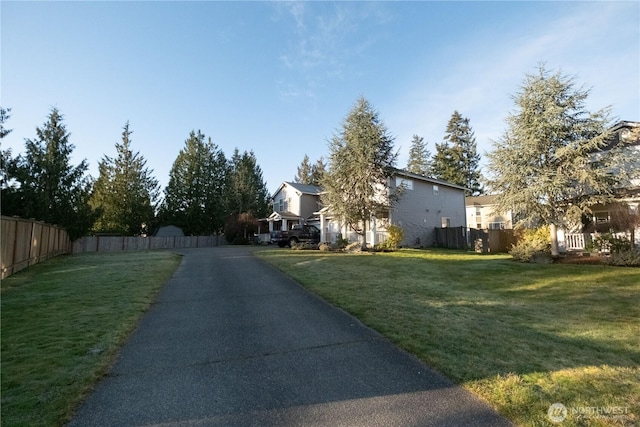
(293,203)
(623,215)
(425,204)
(482,215)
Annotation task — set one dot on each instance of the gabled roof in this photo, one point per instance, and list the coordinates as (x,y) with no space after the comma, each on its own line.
(282,215)
(622,134)
(313,190)
(412,175)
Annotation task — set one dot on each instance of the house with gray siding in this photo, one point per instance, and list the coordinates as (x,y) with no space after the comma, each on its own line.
(425,204)
(293,203)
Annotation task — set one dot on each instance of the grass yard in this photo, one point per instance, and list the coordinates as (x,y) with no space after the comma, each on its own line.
(520,336)
(62,324)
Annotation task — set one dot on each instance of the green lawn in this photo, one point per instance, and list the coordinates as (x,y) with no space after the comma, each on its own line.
(62,323)
(520,336)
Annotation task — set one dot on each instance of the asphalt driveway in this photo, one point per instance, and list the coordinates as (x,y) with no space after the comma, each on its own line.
(231,341)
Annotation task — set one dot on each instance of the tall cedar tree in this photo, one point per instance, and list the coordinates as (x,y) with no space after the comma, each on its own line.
(317,171)
(194,198)
(8,166)
(419,157)
(125,193)
(246,192)
(361,162)
(303,175)
(543,166)
(50,189)
(310,174)
(457,160)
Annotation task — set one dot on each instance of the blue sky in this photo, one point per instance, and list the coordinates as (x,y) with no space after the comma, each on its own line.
(279,77)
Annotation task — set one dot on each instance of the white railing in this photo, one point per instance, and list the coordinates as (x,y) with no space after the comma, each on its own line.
(574,242)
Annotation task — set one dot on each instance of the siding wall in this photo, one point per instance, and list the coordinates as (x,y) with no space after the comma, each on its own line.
(308,205)
(419,211)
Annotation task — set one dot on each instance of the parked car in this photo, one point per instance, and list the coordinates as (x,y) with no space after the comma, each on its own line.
(298,234)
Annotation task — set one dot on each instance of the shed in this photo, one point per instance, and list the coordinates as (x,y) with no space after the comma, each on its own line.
(169,231)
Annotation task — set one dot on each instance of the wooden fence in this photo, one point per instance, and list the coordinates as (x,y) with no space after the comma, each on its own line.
(130,243)
(451,237)
(28,242)
(492,241)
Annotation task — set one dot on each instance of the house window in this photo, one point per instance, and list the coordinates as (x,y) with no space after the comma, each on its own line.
(478,212)
(281,205)
(600,217)
(436,190)
(406,183)
(446,222)
(496,226)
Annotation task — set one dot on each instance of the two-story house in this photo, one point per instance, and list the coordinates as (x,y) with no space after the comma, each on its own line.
(482,214)
(425,204)
(293,203)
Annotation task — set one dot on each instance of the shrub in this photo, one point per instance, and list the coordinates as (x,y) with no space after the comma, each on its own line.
(239,230)
(608,242)
(341,243)
(534,245)
(395,235)
(629,258)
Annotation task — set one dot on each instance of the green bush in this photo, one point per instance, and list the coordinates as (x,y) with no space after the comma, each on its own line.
(608,242)
(534,245)
(628,258)
(395,235)
(341,243)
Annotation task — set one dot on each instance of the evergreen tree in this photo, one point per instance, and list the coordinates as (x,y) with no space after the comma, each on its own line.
(195,196)
(50,188)
(8,167)
(247,192)
(303,175)
(310,174)
(457,160)
(361,161)
(4,116)
(443,165)
(125,193)
(419,157)
(543,167)
(317,172)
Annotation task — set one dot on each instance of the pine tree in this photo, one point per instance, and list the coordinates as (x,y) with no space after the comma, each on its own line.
(457,160)
(317,172)
(50,188)
(310,174)
(361,161)
(419,157)
(195,195)
(8,167)
(247,192)
(125,193)
(443,165)
(543,167)
(303,175)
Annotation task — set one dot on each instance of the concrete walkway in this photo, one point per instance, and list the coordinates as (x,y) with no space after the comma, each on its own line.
(232,341)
